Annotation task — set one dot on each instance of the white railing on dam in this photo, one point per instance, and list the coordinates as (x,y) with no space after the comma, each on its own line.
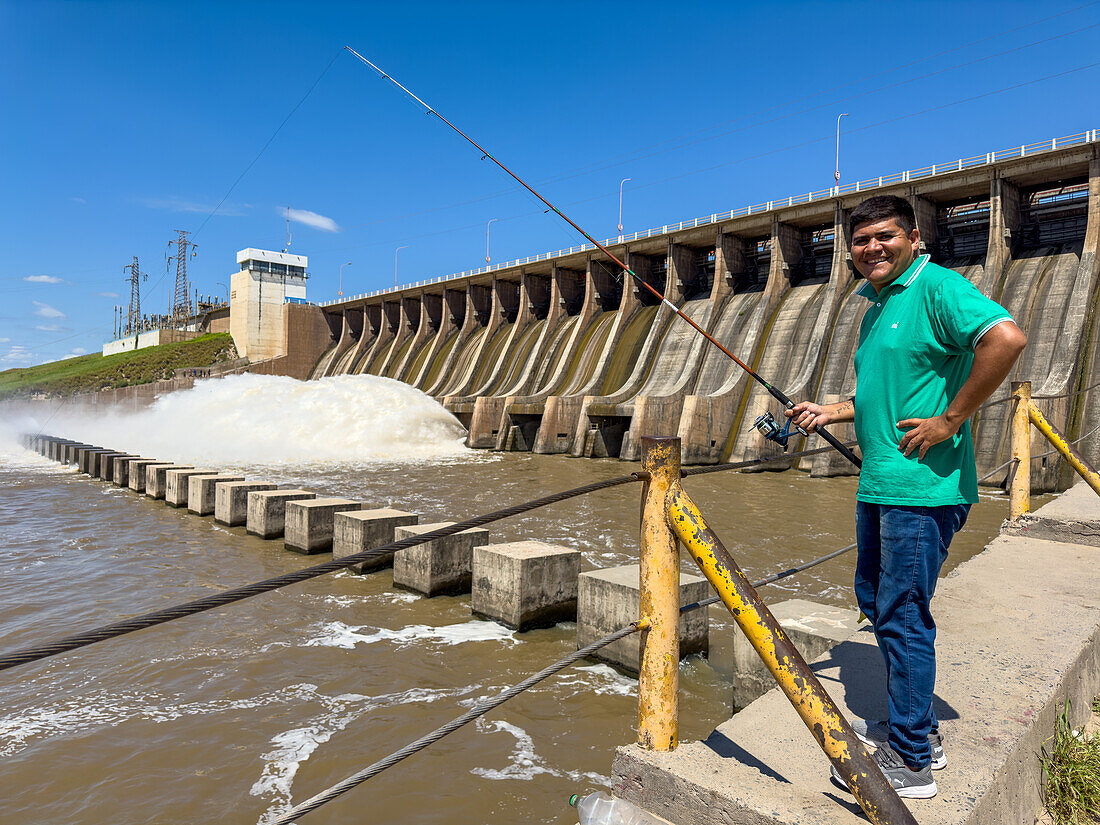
(791,200)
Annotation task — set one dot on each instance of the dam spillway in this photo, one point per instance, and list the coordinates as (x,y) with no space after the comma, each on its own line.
(558,355)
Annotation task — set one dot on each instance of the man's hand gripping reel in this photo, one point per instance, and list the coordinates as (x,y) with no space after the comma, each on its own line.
(770,429)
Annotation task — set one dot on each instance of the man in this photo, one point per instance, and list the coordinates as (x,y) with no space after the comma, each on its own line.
(931,349)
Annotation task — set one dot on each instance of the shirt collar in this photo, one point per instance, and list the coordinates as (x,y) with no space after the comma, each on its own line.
(903,280)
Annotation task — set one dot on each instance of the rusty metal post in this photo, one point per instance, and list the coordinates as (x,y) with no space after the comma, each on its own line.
(816,708)
(658,679)
(1076,461)
(1019,491)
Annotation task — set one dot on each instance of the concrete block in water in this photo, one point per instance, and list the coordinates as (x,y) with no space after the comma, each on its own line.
(440,566)
(84,458)
(120,469)
(156,478)
(354,532)
(814,628)
(138,472)
(610,599)
(105,464)
(200,492)
(309,524)
(231,500)
(96,459)
(175,484)
(267,511)
(525,584)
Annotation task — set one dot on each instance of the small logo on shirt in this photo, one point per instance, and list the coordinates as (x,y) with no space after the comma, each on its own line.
(894,326)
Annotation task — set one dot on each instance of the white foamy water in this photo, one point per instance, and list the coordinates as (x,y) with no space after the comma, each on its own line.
(267,419)
(524,763)
(338,634)
(292,747)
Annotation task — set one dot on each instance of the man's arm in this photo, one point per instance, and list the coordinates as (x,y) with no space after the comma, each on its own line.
(808,415)
(994,356)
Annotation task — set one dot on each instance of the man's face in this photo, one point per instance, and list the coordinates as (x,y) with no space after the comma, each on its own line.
(881,251)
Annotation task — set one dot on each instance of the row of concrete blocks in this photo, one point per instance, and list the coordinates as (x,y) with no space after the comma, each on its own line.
(522,585)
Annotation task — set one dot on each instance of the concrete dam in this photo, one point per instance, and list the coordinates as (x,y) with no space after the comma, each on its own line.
(557,355)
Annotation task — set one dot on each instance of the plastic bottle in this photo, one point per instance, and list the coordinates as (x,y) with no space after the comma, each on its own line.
(600,809)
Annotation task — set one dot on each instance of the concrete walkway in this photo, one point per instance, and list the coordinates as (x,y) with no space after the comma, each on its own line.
(1074,517)
(1019,632)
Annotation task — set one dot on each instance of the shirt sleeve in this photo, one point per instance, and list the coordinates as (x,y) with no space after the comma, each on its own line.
(962,315)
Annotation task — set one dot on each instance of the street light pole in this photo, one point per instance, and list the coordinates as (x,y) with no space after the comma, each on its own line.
(487,240)
(223,286)
(395,264)
(340,288)
(837,174)
(624,180)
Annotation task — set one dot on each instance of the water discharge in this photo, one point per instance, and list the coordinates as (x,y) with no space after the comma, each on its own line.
(265,419)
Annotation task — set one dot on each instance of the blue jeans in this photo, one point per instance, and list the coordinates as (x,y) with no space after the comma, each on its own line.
(901,551)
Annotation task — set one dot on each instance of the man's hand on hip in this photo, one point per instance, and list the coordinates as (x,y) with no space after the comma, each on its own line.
(925,433)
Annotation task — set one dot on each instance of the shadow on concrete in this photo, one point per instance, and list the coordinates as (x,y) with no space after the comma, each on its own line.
(728,749)
(848,803)
(858,666)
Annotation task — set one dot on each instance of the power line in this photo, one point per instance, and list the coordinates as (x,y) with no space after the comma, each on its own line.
(263,149)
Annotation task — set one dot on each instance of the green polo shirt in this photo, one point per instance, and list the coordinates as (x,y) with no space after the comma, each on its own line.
(916,346)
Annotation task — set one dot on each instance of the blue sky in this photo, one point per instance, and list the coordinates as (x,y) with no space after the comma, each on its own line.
(123,122)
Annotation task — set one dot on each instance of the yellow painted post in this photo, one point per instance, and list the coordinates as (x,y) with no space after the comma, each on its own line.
(1019,491)
(658,679)
(867,783)
(1064,447)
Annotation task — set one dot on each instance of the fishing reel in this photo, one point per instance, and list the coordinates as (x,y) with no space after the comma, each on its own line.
(770,429)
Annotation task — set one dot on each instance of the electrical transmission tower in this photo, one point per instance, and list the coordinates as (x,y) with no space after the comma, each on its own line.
(181,301)
(133,319)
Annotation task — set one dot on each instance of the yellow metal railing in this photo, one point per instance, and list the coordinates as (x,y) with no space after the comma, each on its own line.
(1025,414)
(668,516)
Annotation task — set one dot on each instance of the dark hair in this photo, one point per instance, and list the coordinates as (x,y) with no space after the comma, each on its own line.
(881,208)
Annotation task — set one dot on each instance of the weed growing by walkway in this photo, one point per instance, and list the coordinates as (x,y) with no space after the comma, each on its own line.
(1071,773)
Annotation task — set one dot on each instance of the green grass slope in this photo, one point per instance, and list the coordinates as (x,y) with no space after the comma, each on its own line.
(89,373)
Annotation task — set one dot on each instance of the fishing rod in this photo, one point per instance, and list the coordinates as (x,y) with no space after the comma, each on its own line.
(766,424)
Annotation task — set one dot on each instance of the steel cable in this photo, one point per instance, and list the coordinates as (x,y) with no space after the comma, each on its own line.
(146,620)
(358,778)
(1041,397)
(1077,440)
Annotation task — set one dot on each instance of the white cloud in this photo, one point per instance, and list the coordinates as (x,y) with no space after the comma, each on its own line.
(77,200)
(42,279)
(5,340)
(47,311)
(108,295)
(175,204)
(49,328)
(75,351)
(18,356)
(310,219)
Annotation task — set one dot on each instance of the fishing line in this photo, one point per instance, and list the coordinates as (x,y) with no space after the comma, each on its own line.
(618,160)
(776,393)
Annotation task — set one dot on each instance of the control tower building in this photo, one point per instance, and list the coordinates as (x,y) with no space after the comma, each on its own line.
(259,292)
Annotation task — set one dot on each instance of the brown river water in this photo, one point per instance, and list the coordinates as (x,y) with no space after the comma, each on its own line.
(236,714)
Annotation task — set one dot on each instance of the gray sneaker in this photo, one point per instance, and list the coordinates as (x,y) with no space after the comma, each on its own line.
(908,784)
(877,734)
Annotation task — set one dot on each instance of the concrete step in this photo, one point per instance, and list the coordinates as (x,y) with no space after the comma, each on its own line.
(1019,632)
(1074,516)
